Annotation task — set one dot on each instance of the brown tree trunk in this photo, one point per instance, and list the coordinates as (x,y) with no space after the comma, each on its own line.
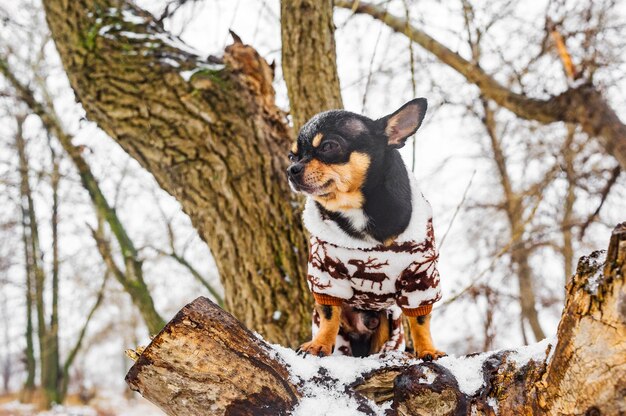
(212,137)
(309,58)
(52,382)
(568,220)
(519,257)
(34,261)
(514,209)
(205,362)
(29,352)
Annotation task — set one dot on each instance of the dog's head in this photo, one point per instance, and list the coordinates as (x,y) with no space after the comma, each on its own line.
(338,152)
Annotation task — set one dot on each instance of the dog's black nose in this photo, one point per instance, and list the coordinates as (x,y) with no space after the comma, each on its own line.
(296,169)
(371,319)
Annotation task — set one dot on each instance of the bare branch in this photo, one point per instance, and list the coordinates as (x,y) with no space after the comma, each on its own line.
(583,105)
(603,196)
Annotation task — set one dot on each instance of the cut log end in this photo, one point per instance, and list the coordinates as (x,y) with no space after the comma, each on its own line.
(205,359)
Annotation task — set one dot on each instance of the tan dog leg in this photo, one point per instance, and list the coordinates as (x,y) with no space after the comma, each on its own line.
(422,341)
(324,341)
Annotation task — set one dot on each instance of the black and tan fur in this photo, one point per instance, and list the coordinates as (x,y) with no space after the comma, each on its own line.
(349,164)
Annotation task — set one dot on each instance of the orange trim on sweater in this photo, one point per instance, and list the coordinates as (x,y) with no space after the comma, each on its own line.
(421,311)
(321,299)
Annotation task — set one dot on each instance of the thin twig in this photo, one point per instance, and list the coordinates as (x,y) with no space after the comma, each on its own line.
(458,208)
(603,196)
(513,241)
(371,66)
(412,69)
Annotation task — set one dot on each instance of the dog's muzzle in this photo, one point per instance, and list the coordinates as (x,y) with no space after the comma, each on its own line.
(295,173)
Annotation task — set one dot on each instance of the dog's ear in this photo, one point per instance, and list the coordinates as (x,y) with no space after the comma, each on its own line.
(401,124)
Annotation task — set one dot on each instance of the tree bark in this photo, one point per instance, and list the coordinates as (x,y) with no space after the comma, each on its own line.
(205,362)
(212,137)
(309,58)
(30,362)
(52,382)
(588,371)
(568,219)
(36,280)
(583,105)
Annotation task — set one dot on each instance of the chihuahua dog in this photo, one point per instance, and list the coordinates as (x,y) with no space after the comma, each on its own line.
(372,253)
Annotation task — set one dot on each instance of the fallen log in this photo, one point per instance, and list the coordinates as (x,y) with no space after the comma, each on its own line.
(205,362)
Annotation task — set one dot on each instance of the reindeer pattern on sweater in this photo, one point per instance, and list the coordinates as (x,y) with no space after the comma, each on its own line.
(369,275)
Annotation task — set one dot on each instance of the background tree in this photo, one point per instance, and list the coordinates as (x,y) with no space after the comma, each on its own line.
(46,332)
(309,59)
(131,274)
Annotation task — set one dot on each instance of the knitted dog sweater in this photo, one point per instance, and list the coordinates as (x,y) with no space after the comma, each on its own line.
(401,276)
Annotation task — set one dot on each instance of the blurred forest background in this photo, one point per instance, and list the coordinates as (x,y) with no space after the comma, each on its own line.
(111,224)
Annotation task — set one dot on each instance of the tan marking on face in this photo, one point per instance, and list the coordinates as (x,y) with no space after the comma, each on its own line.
(294,148)
(317,139)
(346,181)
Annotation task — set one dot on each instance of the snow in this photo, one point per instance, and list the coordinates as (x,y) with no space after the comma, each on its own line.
(70,411)
(171,62)
(105,29)
(429,378)
(130,17)
(335,404)
(135,35)
(108,403)
(344,370)
(595,261)
(327,398)
(205,66)
(467,371)
(536,352)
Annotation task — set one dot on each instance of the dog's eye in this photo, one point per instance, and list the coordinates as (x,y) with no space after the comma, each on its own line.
(329,146)
(293,158)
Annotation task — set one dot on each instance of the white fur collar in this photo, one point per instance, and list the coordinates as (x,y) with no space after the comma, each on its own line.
(329,231)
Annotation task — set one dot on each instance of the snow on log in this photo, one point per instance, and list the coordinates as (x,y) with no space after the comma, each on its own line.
(205,362)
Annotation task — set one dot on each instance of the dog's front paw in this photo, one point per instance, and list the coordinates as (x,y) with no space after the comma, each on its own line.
(430,354)
(316,348)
